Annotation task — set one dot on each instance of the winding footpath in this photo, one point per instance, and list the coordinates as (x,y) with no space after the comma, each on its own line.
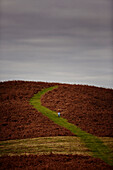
(93,143)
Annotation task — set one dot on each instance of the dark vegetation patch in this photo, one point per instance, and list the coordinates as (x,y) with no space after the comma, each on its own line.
(52,162)
(90,108)
(18,119)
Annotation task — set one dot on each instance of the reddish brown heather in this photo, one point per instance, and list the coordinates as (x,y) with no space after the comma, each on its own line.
(52,162)
(18,119)
(87,107)
(90,108)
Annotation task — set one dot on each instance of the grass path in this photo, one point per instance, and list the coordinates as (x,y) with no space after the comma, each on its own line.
(93,143)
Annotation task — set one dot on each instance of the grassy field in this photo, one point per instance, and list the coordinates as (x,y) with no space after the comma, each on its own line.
(44,145)
(47,145)
(93,143)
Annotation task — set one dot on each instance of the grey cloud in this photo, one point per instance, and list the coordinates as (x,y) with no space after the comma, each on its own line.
(63,37)
(54,19)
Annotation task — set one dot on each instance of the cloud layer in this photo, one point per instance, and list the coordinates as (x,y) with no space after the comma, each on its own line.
(57,40)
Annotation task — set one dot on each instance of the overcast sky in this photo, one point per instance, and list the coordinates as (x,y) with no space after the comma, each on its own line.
(57,40)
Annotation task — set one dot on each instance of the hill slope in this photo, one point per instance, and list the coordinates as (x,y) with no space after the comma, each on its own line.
(18,118)
(88,107)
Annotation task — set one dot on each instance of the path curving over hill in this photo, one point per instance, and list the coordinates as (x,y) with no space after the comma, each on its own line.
(18,119)
(90,108)
(93,143)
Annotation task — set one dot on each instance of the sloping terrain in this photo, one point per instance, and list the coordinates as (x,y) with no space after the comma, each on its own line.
(93,143)
(89,108)
(18,119)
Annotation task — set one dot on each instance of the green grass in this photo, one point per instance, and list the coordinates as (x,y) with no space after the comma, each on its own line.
(93,143)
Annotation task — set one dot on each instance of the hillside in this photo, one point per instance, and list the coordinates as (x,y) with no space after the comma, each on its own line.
(18,118)
(89,108)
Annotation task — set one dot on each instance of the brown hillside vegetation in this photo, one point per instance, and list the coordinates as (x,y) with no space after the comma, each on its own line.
(18,119)
(90,108)
(52,162)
